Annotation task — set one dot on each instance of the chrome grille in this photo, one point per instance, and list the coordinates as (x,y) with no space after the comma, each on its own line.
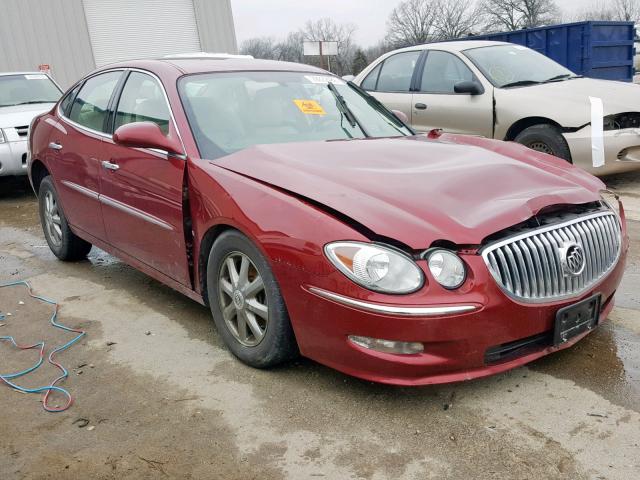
(529,266)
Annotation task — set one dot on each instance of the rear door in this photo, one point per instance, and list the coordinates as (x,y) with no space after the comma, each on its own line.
(436,105)
(142,188)
(390,81)
(77,143)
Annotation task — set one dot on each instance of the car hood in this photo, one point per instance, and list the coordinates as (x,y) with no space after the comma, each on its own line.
(417,190)
(21,115)
(567,102)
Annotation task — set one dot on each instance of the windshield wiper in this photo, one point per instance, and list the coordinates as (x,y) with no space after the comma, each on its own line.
(558,77)
(344,109)
(378,105)
(520,83)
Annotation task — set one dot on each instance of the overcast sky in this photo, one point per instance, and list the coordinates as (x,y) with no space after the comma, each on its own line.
(276,18)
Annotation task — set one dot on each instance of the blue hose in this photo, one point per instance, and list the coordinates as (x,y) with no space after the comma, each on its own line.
(47,389)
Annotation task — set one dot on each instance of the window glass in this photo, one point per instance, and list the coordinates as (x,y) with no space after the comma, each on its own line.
(512,65)
(65,105)
(28,88)
(232,111)
(89,109)
(442,70)
(143,100)
(397,71)
(369,83)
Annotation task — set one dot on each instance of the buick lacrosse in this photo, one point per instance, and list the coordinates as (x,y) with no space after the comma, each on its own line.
(312,220)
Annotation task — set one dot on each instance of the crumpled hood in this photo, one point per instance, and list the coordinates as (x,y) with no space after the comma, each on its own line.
(417,190)
(21,115)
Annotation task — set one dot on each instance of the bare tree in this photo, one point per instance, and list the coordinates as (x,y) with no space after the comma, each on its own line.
(517,14)
(457,18)
(412,22)
(326,29)
(291,49)
(264,47)
(627,10)
(620,10)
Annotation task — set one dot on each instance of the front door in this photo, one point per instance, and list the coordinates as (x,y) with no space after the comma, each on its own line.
(77,143)
(142,189)
(390,82)
(436,105)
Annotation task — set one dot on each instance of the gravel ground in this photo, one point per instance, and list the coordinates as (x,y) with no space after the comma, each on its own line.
(162,398)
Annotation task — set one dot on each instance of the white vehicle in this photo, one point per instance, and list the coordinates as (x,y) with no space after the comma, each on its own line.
(23,96)
(510,92)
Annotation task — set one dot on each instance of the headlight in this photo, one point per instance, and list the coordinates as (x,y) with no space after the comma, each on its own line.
(376,267)
(611,200)
(2,137)
(447,268)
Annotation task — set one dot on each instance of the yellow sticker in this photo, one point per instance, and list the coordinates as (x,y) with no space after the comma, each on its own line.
(310,107)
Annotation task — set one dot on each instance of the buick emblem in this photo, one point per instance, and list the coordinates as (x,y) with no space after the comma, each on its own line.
(572,259)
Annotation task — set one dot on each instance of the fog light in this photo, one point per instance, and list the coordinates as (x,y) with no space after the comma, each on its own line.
(387,346)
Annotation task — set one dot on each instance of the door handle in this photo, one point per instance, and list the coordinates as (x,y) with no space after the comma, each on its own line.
(421,106)
(55,146)
(110,166)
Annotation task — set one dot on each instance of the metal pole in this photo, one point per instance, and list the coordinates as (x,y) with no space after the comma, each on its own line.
(321,56)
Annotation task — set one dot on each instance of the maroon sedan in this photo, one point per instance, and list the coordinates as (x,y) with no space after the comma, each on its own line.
(312,220)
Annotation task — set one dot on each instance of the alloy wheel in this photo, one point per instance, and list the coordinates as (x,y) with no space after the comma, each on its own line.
(243,299)
(52,221)
(541,147)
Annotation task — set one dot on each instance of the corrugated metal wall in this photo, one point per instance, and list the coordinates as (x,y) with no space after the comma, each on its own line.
(126,29)
(33,32)
(215,25)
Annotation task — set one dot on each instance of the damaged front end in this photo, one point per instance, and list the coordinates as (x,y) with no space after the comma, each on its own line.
(621,135)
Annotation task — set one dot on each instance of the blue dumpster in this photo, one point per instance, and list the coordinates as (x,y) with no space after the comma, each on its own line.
(594,49)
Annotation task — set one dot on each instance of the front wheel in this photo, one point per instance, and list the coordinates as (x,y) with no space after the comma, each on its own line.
(64,244)
(246,303)
(546,139)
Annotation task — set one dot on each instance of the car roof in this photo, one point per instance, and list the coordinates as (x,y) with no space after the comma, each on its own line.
(453,46)
(204,64)
(5,74)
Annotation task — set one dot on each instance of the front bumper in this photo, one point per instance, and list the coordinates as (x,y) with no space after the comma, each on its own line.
(457,346)
(621,150)
(13,158)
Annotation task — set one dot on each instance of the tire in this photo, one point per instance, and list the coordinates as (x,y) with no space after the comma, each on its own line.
(64,244)
(242,300)
(545,138)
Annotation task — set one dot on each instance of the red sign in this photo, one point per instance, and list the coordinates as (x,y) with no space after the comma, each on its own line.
(44,68)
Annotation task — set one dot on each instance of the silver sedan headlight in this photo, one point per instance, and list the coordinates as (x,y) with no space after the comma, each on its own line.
(447,268)
(376,267)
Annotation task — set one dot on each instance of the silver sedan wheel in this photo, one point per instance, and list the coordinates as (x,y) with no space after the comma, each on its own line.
(52,221)
(541,147)
(243,299)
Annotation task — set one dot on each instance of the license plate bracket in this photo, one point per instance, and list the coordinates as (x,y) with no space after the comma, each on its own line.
(576,319)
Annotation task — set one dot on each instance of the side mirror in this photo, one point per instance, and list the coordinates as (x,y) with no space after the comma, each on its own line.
(470,87)
(146,135)
(400,116)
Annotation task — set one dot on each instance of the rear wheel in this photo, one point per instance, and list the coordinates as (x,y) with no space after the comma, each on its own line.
(245,300)
(546,139)
(64,244)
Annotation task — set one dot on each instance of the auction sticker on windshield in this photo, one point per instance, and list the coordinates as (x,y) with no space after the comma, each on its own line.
(324,79)
(310,107)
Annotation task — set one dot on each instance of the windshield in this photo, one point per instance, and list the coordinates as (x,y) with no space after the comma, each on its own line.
(515,65)
(232,111)
(26,89)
